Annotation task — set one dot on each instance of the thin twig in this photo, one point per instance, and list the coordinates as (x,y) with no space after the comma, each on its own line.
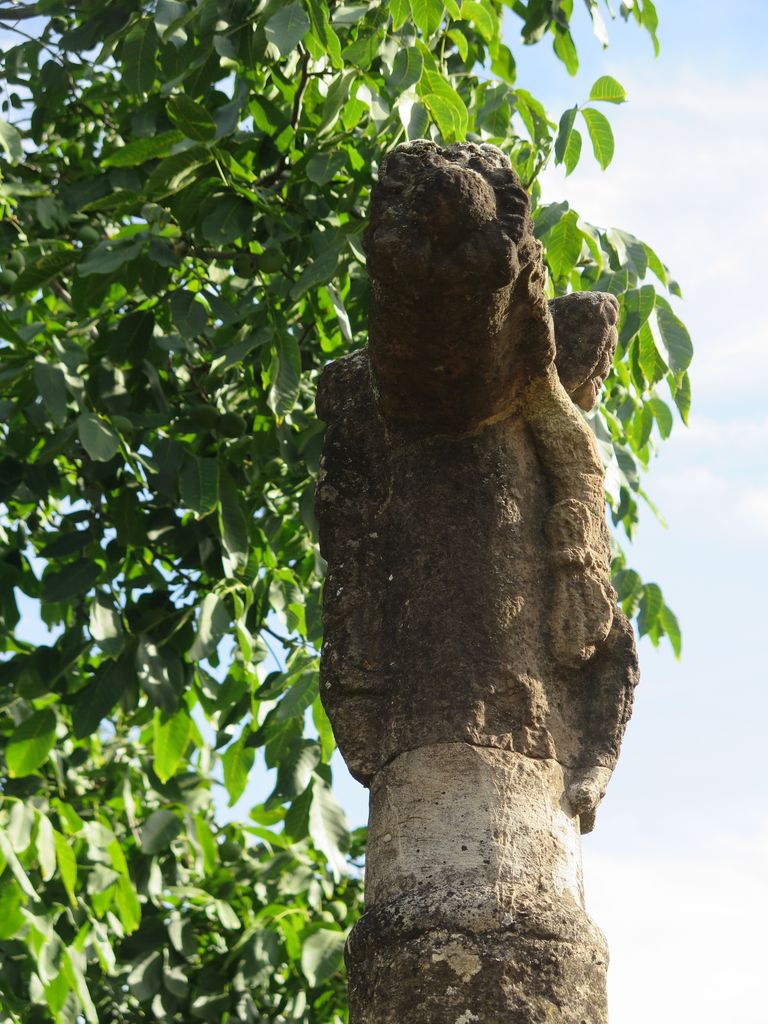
(274,176)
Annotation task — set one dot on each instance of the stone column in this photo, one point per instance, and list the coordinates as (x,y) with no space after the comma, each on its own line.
(476,669)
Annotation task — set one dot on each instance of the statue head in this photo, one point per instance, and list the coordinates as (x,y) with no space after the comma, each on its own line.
(585,326)
(455,219)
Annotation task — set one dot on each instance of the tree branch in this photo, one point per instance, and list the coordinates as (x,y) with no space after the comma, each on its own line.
(274,176)
(17,13)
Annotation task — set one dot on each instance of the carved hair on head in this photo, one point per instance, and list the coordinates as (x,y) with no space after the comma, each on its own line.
(461,208)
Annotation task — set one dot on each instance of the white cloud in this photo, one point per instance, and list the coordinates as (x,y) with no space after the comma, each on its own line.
(707,433)
(686,934)
(689,178)
(699,501)
(754,508)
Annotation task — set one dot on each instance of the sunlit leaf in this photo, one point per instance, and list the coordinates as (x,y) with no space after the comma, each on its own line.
(31,742)
(608,90)
(600,134)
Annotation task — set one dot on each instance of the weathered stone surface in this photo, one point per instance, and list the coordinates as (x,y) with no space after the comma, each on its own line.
(473,880)
(476,669)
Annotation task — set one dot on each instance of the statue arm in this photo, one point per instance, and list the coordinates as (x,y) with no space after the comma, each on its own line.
(585,339)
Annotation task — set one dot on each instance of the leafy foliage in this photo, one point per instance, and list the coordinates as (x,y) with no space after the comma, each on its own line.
(183,193)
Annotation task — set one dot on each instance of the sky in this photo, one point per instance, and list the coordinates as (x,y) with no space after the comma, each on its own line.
(676,871)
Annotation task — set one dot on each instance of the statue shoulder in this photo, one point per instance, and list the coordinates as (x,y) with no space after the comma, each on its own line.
(344,386)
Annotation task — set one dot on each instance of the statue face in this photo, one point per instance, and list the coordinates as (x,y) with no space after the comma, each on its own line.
(585,328)
(452,216)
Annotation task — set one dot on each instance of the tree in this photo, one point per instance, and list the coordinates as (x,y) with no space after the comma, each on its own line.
(184,188)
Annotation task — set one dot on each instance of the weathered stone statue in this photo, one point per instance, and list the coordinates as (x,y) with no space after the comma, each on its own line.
(476,669)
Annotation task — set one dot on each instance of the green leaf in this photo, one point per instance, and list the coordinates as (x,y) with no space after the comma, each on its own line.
(324,32)
(608,90)
(663,416)
(295,768)
(565,49)
(199,485)
(298,697)
(31,742)
(229,219)
(600,134)
(139,58)
(175,172)
(98,439)
(642,425)
(189,315)
(146,976)
(598,25)
(233,529)
(213,622)
(128,906)
(637,306)
(73,581)
(140,150)
(482,18)
(427,15)
(323,167)
(67,863)
(11,918)
(671,628)
(284,376)
(564,244)
(677,340)
(564,133)
(406,70)
(44,269)
(98,697)
(237,762)
(46,848)
(651,363)
(322,955)
(400,12)
(22,820)
(656,265)
(229,919)
(459,40)
(106,626)
(287,28)
(167,14)
(10,140)
(682,397)
(572,152)
(413,116)
(363,51)
(322,723)
(328,827)
(159,831)
(8,856)
(191,118)
(171,738)
(52,387)
(651,604)
(109,256)
(320,271)
(159,674)
(445,106)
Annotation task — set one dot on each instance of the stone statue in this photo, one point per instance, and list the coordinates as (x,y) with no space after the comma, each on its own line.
(476,668)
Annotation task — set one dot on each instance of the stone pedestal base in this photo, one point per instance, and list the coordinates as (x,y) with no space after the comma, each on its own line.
(474,896)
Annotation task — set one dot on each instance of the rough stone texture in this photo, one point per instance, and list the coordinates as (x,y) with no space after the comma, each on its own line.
(476,669)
